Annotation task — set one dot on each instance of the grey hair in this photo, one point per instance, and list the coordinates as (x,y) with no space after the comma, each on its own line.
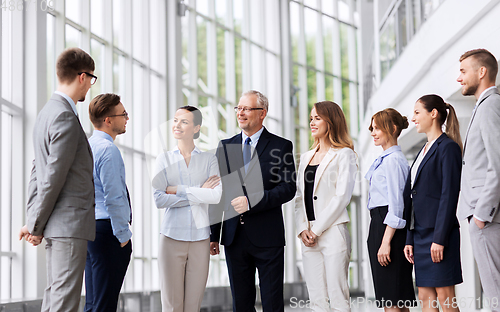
(261,98)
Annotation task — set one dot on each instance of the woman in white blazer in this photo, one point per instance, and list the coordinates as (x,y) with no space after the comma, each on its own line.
(325,182)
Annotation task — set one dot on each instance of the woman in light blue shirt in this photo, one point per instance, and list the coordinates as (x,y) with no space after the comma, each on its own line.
(392,274)
(186,181)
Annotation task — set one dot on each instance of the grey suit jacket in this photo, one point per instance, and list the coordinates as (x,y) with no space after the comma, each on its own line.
(480,183)
(61,189)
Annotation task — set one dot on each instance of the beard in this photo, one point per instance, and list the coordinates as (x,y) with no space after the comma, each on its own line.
(470,89)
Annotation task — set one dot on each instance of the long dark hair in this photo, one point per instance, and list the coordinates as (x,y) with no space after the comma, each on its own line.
(197,118)
(446,113)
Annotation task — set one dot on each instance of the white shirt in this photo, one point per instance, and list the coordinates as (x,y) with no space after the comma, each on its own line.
(186,213)
(418,161)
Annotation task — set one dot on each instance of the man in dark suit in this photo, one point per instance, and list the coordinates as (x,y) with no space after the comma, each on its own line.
(61,190)
(257,170)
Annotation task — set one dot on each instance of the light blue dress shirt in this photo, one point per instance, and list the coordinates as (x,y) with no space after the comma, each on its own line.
(186,213)
(70,100)
(387,177)
(111,200)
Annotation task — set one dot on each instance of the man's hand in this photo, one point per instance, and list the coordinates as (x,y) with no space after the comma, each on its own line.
(214,248)
(480,224)
(211,182)
(240,204)
(32,239)
(124,244)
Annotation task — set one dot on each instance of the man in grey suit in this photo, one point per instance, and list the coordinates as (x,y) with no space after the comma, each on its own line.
(61,189)
(480,197)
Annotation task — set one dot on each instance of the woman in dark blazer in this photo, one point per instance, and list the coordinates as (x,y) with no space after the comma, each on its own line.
(431,197)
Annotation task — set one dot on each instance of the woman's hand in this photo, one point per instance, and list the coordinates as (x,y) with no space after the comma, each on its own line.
(211,182)
(171,190)
(384,254)
(307,238)
(437,252)
(409,253)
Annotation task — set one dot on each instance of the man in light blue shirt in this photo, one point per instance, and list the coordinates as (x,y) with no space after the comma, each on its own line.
(109,255)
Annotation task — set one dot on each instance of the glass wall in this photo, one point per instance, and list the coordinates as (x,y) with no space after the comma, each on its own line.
(399,24)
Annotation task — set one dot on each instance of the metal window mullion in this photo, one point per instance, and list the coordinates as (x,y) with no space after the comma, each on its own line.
(320,59)
(351,52)
(246,61)
(230,55)
(212,79)
(337,63)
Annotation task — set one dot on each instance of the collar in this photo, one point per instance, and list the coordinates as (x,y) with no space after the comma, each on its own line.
(70,101)
(196,150)
(255,137)
(391,150)
(103,135)
(481,96)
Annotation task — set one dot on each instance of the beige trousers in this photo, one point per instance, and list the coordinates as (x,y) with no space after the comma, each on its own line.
(183,270)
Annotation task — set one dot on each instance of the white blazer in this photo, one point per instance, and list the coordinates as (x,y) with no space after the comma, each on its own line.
(333,187)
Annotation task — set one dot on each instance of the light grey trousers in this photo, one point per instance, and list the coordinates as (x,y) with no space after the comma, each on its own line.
(183,268)
(65,265)
(486,249)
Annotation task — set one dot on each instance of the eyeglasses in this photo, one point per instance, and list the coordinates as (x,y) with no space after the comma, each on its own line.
(120,115)
(94,78)
(246,109)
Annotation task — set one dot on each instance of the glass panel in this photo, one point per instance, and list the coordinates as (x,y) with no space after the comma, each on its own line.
(238,15)
(6,56)
(6,202)
(344,50)
(221,11)
(118,25)
(73,10)
(96,17)
(201,35)
(73,37)
(311,89)
(346,102)
(328,42)
(138,30)
(295,29)
(387,47)
(329,88)
(327,7)
(257,59)
(311,3)
(97,53)
(51,56)
(136,118)
(238,67)
(257,22)
(344,12)
(311,31)
(118,74)
(403,40)
(185,47)
(156,35)
(221,62)
(202,7)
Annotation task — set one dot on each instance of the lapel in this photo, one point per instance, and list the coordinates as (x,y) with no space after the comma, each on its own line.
(322,166)
(428,155)
(234,153)
(486,95)
(303,164)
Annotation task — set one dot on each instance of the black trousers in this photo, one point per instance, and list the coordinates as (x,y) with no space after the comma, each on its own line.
(242,259)
(105,269)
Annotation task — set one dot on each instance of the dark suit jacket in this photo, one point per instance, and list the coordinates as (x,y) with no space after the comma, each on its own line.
(268,183)
(435,190)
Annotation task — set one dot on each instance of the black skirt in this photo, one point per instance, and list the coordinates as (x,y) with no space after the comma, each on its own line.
(393,283)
